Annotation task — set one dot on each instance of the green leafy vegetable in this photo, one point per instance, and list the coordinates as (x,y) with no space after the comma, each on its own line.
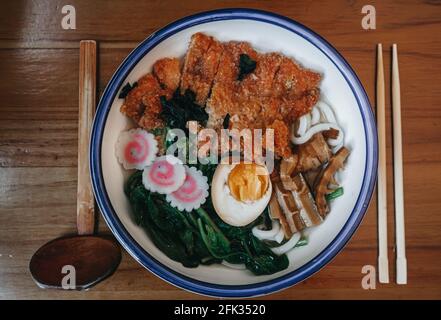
(247,249)
(182,108)
(266,219)
(246,66)
(215,244)
(126,89)
(260,259)
(226,122)
(303,241)
(200,236)
(335,194)
(134,181)
(207,170)
(170,229)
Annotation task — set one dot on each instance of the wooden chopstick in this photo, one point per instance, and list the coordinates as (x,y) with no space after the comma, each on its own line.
(383,262)
(401,263)
(87,95)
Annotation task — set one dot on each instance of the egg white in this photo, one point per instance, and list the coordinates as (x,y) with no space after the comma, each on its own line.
(230,210)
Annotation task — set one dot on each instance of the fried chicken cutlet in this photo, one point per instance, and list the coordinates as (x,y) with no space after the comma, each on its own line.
(277,89)
(273,95)
(297,88)
(168,72)
(201,65)
(142,103)
(225,95)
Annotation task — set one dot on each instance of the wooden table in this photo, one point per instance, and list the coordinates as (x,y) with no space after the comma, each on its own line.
(38,134)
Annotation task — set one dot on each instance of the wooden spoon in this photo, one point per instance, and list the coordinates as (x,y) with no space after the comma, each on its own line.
(84,258)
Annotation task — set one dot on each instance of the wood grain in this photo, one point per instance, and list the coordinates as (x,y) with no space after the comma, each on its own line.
(38,134)
(400,238)
(383,259)
(87,103)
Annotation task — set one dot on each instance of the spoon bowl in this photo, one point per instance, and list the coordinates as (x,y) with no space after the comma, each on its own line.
(90,258)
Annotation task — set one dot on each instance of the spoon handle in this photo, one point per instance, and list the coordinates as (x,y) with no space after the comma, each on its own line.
(87,95)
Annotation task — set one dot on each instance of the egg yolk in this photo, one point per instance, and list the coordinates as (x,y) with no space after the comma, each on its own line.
(248,181)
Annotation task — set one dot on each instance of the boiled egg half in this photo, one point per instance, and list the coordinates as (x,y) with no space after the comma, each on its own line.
(240,192)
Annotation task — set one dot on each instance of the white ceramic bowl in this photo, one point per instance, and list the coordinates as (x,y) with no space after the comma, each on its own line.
(340,87)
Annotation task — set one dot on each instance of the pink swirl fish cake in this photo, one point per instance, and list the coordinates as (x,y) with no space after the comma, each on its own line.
(136,149)
(192,194)
(165,175)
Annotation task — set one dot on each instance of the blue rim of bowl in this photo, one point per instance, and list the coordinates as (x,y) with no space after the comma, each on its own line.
(249,290)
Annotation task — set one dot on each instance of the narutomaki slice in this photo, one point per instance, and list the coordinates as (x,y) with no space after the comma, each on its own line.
(136,148)
(165,175)
(193,193)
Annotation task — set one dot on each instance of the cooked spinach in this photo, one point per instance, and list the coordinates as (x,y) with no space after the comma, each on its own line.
(198,237)
(226,122)
(334,194)
(246,66)
(182,108)
(207,170)
(247,249)
(126,89)
(214,243)
(260,259)
(303,241)
(266,219)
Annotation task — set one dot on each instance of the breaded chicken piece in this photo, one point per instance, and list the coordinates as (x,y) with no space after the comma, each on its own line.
(200,66)
(133,106)
(293,80)
(260,81)
(225,95)
(168,72)
(250,102)
(142,103)
(228,70)
(297,87)
(294,107)
(281,138)
(256,101)
(258,105)
(272,96)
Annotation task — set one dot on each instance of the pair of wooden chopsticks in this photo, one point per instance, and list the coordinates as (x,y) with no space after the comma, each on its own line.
(401,263)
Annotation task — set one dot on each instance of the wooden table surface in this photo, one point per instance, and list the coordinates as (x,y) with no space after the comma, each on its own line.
(38,134)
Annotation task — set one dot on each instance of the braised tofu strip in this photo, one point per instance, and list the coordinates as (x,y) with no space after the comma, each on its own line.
(313,154)
(327,177)
(297,205)
(277,213)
